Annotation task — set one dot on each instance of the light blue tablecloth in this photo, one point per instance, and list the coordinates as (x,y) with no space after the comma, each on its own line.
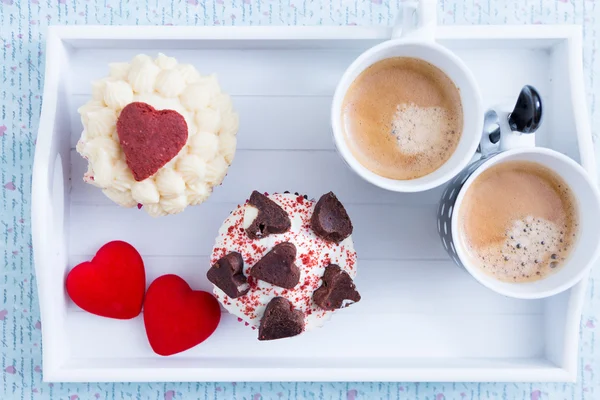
(23,26)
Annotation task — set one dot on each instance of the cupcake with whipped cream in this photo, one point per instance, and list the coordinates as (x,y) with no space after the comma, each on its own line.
(283,264)
(157,135)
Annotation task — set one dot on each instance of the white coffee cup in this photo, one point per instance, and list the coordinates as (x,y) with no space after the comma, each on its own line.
(514,146)
(415,40)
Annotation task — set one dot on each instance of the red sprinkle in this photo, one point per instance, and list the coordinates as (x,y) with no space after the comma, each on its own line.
(252,282)
(305,259)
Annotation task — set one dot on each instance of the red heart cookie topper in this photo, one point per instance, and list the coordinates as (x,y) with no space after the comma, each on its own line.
(112,284)
(176,317)
(150,138)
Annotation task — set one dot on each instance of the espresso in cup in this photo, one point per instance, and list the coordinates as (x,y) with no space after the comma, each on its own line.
(518,221)
(402,118)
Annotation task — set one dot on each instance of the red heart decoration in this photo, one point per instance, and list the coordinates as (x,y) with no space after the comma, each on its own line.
(112,284)
(150,138)
(176,317)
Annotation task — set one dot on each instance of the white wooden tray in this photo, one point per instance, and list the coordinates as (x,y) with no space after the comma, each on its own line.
(421,318)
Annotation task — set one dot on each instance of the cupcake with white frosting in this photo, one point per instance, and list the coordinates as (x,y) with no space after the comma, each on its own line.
(283,264)
(157,135)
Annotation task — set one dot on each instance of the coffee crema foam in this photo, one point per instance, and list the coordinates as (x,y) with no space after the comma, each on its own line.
(402,118)
(519,221)
(416,138)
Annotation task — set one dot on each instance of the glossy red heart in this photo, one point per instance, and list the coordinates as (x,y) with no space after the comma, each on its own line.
(176,317)
(112,284)
(150,138)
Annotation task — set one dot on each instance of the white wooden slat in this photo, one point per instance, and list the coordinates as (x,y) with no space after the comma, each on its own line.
(267,122)
(307,172)
(311,71)
(380,231)
(380,334)
(446,291)
(287,121)
(302,72)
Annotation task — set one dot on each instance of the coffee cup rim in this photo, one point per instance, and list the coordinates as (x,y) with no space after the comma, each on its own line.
(425,182)
(502,287)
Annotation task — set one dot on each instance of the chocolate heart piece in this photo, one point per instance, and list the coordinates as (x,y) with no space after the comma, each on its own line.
(150,138)
(264,217)
(277,266)
(330,220)
(280,320)
(228,275)
(337,291)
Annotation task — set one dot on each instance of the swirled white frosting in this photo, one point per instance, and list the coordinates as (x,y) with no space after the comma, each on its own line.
(188,179)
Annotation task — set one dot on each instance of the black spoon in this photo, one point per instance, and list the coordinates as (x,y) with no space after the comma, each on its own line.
(526,117)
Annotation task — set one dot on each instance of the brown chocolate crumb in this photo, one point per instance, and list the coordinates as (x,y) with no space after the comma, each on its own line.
(227,274)
(277,266)
(337,291)
(280,320)
(271,217)
(330,221)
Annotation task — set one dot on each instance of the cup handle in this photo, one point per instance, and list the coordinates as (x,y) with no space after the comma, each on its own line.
(510,139)
(416,20)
